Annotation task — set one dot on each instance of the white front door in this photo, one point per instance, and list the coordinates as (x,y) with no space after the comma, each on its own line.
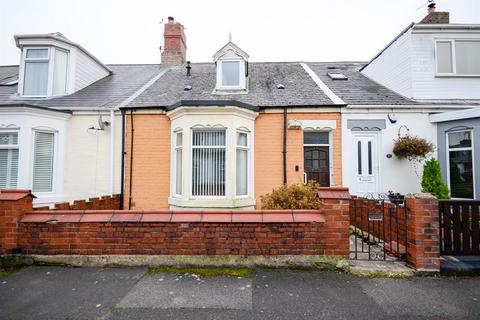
(365,163)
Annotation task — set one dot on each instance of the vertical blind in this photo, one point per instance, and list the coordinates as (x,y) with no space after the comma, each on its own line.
(8,160)
(208,159)
(178,163)
(43,162)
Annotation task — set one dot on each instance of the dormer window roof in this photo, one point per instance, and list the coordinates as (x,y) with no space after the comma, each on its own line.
(49,66)
(232,69)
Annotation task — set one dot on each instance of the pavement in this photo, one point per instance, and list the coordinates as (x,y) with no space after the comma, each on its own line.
(130,293)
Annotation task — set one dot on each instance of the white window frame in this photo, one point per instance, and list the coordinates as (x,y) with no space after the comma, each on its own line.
(249,164)
(454,62)
(190,176)
(54,164)
(241,75)
(471,148)
(51,64)
(177,147)
(14,147)
(330,153)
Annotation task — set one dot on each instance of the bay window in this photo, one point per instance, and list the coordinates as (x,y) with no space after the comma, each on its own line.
(8,160)
(458,57)
(45,72)
(460,164)
(212,157)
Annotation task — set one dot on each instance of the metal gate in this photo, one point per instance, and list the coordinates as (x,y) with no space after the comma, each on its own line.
(378,228)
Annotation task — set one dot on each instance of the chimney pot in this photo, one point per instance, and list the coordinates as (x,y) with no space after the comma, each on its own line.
(431,7)
(171,20)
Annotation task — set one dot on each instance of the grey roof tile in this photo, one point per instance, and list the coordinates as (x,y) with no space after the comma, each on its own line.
(106,92)
(300,89)
(358,89)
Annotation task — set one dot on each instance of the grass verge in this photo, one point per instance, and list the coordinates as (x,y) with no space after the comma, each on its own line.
(204,271)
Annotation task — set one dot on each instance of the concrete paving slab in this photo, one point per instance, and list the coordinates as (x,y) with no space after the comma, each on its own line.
(167,291)
(373,267)
(64,293)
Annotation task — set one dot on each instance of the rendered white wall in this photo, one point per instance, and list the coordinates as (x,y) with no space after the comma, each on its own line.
(87,157)
(28,119)
(424,82)
(397,175)
(393,67)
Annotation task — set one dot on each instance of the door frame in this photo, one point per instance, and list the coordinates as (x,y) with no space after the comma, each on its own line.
(375,156)
(330,152)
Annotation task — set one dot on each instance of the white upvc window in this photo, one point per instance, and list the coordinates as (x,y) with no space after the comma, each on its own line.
(208,163)
(8,160)
(457,57)
(231,74)
(44,72)
(43,158)
(242,164)
(178,158)
(461,164)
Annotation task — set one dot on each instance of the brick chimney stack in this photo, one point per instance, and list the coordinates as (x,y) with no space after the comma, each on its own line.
(434,17)
(175,44)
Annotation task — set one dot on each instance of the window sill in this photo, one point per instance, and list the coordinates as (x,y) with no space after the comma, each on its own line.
(242,203)
(457,75)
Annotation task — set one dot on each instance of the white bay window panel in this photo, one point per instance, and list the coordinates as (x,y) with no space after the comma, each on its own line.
(35,82)
(242,164)
(60,72)
(208,163)
(43,162)
(8,160)
(178,162)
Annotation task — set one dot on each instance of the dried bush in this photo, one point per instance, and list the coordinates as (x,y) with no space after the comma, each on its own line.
(412,148)
(295,196)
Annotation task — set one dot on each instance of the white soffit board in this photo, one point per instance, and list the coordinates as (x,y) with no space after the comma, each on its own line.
(332,96)
(455,115)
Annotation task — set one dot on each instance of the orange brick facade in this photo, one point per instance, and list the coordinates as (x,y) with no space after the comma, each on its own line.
(269,147)
(152,147)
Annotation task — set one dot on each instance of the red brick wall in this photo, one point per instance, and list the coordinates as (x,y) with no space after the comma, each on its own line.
(97,203)
(423,248)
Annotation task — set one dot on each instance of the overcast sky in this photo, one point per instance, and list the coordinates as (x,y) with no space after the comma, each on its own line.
(121,31)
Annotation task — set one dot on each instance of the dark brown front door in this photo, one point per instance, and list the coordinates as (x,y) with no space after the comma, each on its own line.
(317,164)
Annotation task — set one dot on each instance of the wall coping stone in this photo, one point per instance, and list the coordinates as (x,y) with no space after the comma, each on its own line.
(15,194)
(333,193)
(201,216)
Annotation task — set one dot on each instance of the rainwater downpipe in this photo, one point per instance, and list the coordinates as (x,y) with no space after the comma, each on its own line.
(112,151)
(122,169)
(131,161)
(284,145)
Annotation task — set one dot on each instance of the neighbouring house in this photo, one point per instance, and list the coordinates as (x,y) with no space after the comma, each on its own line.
(437,65)
(60,129)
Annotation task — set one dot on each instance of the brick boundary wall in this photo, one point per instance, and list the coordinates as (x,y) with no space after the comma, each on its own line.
(423,232)
(97,203)
(100,232)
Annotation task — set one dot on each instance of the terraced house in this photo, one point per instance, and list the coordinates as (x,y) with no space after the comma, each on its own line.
(221,134)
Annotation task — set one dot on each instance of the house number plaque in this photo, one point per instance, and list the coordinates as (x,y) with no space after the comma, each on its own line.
(374,216)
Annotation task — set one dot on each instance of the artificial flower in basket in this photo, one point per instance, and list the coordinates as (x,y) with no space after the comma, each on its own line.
(395,197)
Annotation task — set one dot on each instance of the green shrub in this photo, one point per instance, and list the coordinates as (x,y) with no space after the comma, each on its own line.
(432,180)
(295,196)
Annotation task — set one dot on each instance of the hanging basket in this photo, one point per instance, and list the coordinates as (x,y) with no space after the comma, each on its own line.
(411,147)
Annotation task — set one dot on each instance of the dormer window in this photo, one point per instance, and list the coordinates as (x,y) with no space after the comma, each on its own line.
(232,75)
(45,72)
